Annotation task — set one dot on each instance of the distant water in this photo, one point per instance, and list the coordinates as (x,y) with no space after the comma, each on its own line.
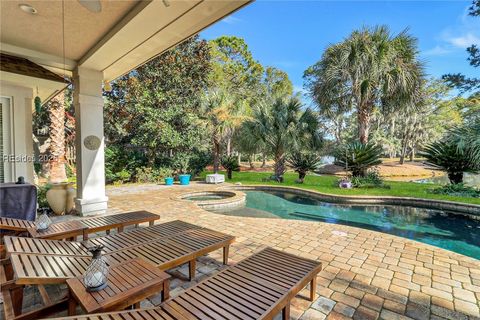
(468,178)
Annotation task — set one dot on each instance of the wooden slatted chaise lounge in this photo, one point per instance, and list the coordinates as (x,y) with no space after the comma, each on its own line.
(39,262)
(111,243)
(91,225)
(259,287)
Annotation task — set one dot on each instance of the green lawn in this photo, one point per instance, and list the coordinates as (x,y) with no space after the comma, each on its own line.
(326,184)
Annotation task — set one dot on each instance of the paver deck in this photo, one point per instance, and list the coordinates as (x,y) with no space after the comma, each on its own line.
(366,275)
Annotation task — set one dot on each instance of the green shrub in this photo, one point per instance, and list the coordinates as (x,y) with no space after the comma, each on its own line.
(458,190)
(230,163)
(371,180)
(357,157)
(302,162)
(42,195)
(122,176)
(198,162)
(144,175)
(447,156)
(118,159)
(165,172)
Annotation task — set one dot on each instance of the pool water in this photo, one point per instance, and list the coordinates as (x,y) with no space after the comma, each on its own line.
(205,197)
(439,228)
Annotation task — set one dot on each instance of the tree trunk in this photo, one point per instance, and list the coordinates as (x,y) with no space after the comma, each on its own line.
(301,176)
(412,155)
(264,160)
(279,165)
(239,158)
(229,146)
(363,119)
(229,174)
(250,162)
(57,161)
(455,177)
(216,155)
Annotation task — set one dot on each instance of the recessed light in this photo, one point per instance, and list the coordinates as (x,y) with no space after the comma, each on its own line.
(28,8)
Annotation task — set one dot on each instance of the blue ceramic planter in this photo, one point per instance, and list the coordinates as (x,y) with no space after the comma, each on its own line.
(169,181)
(184,179)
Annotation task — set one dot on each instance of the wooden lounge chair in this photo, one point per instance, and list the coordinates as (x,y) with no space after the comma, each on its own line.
(29,265)
(258,287)
(91,225)
(111,243)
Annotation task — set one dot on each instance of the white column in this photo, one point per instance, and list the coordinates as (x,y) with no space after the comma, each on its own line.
(90,159)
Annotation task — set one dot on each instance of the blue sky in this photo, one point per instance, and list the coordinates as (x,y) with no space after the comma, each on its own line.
(292,35)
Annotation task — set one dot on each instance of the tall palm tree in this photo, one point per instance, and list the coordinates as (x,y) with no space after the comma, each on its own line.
(56,113)
(223,114)
(284,127)
(370,69)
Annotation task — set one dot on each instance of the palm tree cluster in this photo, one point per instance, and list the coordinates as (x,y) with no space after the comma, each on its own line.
(284,128)
(371,69)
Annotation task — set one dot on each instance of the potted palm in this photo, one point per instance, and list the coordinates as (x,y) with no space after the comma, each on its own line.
(167,175)
(182,163)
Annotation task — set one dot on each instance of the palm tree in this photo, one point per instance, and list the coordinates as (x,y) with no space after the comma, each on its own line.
(370,69)
(223,114)
(56,113)
(283,127)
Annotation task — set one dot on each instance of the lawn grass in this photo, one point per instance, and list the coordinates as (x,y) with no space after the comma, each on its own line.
(327,184)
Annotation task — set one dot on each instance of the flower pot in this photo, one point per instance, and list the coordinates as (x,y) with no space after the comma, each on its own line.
(57,198)
(184,179)
(168,181)
(71,193)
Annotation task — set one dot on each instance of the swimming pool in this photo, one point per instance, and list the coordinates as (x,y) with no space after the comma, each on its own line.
(442,229)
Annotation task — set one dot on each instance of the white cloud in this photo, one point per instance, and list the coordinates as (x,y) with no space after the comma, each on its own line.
(436,51)
(464,40)
(231,20)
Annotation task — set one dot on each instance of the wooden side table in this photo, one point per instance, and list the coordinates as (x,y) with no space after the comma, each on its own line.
(128,284)
(61,230)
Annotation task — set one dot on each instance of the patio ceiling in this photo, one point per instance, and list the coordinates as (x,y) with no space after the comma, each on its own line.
(122,36)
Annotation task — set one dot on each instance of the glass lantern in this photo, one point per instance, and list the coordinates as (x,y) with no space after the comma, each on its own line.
(43,221)
(96,274)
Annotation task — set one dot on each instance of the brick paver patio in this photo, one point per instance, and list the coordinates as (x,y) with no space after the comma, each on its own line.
(366,275)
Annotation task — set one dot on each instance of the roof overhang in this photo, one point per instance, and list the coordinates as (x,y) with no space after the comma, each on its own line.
(148,29)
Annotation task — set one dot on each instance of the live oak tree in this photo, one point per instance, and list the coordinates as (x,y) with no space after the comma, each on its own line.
(154,109)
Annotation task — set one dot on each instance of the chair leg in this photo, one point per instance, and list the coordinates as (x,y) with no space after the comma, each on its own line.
(191,269)
(286,312)
(17,300)
(151,223)
(166,290)
(225,254)
(313,288)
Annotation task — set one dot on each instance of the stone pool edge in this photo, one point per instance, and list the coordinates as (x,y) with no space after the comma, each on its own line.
(472,210)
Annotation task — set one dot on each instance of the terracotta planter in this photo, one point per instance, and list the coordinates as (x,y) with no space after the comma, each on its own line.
(57,198)
(71,193)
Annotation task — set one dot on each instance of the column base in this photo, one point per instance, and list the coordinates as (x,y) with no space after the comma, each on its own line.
(87,207)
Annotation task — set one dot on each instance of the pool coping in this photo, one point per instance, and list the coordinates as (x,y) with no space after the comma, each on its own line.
(472,210)
(237,199)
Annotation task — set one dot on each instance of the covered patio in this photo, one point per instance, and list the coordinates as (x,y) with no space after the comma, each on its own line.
(91,44)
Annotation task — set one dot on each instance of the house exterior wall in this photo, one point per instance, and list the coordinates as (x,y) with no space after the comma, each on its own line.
(18,158)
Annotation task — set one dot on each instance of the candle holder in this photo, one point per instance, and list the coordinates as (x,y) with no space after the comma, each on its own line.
(96,274)
(43,221)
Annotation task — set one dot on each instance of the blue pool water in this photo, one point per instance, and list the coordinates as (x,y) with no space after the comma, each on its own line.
(442,229)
